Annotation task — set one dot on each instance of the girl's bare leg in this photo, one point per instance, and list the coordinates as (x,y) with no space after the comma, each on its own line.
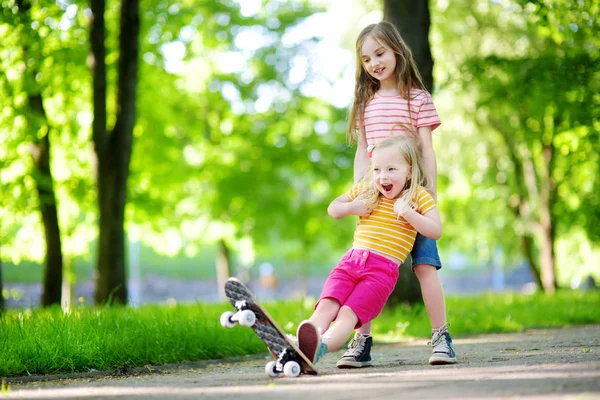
(325,313)
(365,330)
(344,324)
(433,294)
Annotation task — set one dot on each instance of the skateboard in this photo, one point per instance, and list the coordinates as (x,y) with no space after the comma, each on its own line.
(289,359)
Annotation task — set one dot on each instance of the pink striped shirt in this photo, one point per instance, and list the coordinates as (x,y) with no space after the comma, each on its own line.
(383,112)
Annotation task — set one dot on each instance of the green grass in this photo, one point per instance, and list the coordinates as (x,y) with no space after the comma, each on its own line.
(50,341)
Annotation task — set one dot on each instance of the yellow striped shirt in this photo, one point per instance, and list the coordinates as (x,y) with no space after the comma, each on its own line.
(382,231)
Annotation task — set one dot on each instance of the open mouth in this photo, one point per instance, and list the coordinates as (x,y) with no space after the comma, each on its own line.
(387,188)
(379,70)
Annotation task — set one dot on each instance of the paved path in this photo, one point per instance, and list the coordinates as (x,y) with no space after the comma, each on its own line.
(537,364)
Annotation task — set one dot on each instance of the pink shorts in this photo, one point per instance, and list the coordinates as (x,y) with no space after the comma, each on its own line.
(363,281)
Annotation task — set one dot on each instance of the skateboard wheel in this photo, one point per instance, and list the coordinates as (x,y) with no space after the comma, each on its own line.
(226,319)
(291,369)
(246,318)
(270,369)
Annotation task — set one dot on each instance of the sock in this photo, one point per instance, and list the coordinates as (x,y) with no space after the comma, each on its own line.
(321,351)
(442,328)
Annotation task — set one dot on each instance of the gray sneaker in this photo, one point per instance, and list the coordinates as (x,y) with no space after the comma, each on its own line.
(442,351)
(358,354)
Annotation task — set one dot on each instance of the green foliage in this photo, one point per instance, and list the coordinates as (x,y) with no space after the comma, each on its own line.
(215,147)
(550,101)
(42,53)
(228,146)
(260,171)
(521,85)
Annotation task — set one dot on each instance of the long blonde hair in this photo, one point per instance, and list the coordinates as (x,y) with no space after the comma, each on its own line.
(407,148)
(407,75)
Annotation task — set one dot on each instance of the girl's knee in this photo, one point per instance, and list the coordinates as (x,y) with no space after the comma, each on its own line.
(347,313)
(328,302)
(424,270)
(328,305)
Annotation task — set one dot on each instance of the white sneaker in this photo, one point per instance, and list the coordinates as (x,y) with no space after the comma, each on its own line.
(442,351)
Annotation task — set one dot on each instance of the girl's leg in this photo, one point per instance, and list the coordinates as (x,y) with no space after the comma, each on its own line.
(426,262)
(368,299)
(433,294)
(314,345)
(365,330)
(344,324)
(325,313)
(433,297)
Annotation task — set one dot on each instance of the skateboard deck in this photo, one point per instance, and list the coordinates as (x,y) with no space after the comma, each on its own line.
(281,347)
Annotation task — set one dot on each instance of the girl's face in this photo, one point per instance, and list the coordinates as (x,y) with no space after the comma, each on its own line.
(390,172)
(378,60)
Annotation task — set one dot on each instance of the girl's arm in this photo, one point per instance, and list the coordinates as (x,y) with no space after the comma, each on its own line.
(343,206)
(361,160)
(425,135)
(429,225)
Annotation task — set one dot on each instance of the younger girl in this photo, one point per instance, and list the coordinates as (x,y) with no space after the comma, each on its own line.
(388,92)
(393,204)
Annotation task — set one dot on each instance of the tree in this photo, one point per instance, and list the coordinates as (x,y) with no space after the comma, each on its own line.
(547,133)
(113,148)
(525,74)
(38,132)
(412,20)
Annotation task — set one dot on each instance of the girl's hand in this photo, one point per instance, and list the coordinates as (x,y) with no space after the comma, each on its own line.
(402,207)
(359,208)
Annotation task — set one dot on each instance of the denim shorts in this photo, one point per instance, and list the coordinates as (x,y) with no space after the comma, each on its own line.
(425,252)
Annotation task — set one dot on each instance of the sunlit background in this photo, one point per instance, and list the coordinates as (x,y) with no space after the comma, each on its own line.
(240,144)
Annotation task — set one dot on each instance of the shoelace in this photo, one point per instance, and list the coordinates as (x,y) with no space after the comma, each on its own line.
(356,346)
(439,343)
(438,340)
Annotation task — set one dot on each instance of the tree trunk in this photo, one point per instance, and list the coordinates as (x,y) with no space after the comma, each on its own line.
(40,149)
(547,234)
(544,197)
(528,246)
(525,181)
(223,267)
(547,259)
(412,19)
(113,150)
(54,261)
